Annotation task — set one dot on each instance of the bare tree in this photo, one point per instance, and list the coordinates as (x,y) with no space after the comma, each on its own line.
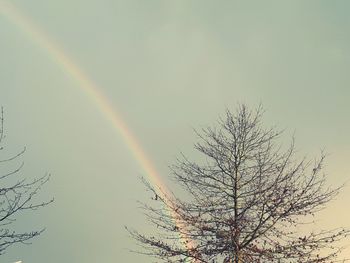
(246,201)
(16,195)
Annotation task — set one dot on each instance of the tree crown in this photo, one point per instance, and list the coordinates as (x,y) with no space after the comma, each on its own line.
(247,200)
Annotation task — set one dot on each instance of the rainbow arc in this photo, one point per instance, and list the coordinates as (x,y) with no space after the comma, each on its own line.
(95,93)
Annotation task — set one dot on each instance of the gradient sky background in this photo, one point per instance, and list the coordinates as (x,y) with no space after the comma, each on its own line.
(166,66)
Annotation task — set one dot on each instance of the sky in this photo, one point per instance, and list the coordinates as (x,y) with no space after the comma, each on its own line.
(165,67)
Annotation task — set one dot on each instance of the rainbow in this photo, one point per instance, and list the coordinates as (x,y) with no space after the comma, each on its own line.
(93,91)
(87,86)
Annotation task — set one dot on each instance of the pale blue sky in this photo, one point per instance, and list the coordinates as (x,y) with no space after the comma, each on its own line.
(167,66)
